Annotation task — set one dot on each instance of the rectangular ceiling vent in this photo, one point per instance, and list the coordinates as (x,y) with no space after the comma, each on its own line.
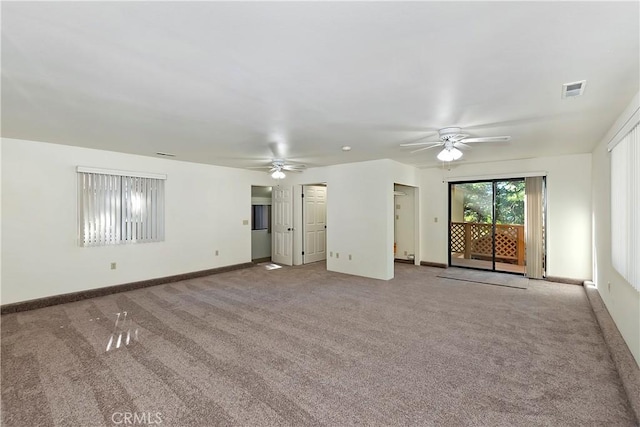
(569,90)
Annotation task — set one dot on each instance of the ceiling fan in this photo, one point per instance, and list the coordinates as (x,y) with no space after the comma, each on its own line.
(278,164)
(451,140)
(277,168)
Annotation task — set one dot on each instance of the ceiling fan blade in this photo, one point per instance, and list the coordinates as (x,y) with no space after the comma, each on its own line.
(426,148)
(417,144)
(260,167)
(460,144)
(459,137)
(486,139)
(291,170)
(293,167)
(415,141)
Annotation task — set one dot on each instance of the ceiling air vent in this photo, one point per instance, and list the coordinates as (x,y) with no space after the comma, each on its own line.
(569,90)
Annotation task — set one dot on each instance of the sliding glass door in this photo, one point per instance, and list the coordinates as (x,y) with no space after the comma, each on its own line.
(509,225)
(471,225)
(487,225)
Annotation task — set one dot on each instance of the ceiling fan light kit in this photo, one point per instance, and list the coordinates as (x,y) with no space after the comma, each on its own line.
(278,174)
(449,154)
(451,139)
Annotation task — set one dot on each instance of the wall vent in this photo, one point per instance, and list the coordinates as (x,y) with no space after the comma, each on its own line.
(569,90)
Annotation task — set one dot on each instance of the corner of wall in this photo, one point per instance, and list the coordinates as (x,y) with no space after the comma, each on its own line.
(620,298)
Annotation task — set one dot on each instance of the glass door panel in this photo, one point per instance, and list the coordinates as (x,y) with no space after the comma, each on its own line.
(510,226)
(471,225)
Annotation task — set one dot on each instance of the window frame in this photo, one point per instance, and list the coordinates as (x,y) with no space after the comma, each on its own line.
(119,207)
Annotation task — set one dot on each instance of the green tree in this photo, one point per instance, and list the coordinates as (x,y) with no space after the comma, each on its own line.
(510,202)
(478,206)
(477,202)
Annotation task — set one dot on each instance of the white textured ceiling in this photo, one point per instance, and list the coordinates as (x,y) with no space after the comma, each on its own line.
(217,82)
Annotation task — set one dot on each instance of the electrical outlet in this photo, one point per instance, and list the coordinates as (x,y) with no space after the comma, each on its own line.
(245,222)
(349,257)
(608,286)
(405,253)
(217,253)
(397,206)
(331,254)
(113,265)
(435,219)
(397,216)
(337,254)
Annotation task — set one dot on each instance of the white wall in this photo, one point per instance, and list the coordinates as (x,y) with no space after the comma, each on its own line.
(568,209)
(41,256)
(359,213)
(457,204)
(621,300)
(260,244)
(1,199)
(358,220)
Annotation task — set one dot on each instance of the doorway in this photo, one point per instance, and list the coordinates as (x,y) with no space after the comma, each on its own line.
(404,223)
(299,224)
(487,225)
(261,201)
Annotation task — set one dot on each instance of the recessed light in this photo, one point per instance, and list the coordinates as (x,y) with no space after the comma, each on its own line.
(160,153)
(346,148)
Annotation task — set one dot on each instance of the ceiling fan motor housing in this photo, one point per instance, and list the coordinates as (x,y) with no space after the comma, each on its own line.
(446,134)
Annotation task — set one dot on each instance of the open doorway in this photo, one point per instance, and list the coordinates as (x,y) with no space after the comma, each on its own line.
(299,224)
(261,232)
(404,248)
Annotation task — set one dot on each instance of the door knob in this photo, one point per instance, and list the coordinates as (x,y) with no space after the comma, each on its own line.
(289,229)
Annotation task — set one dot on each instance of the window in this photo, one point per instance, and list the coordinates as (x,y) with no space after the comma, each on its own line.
(625,207)
(261,217)
(117,207)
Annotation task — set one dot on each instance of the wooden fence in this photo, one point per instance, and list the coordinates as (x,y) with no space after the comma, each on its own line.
(475,241)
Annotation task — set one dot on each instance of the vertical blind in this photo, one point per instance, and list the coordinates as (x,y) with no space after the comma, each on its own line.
(534,193)
(625,207)
(116,209)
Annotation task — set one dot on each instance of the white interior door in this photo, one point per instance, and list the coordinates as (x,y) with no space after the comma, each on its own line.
(315,223)
(282,226)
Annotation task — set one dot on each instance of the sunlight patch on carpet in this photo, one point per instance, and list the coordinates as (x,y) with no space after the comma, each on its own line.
(270,265)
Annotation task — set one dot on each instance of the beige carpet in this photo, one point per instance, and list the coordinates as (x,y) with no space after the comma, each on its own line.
(301,346)
(485,277)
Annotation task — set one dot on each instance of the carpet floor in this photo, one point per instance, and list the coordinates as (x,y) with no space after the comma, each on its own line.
(302,346)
